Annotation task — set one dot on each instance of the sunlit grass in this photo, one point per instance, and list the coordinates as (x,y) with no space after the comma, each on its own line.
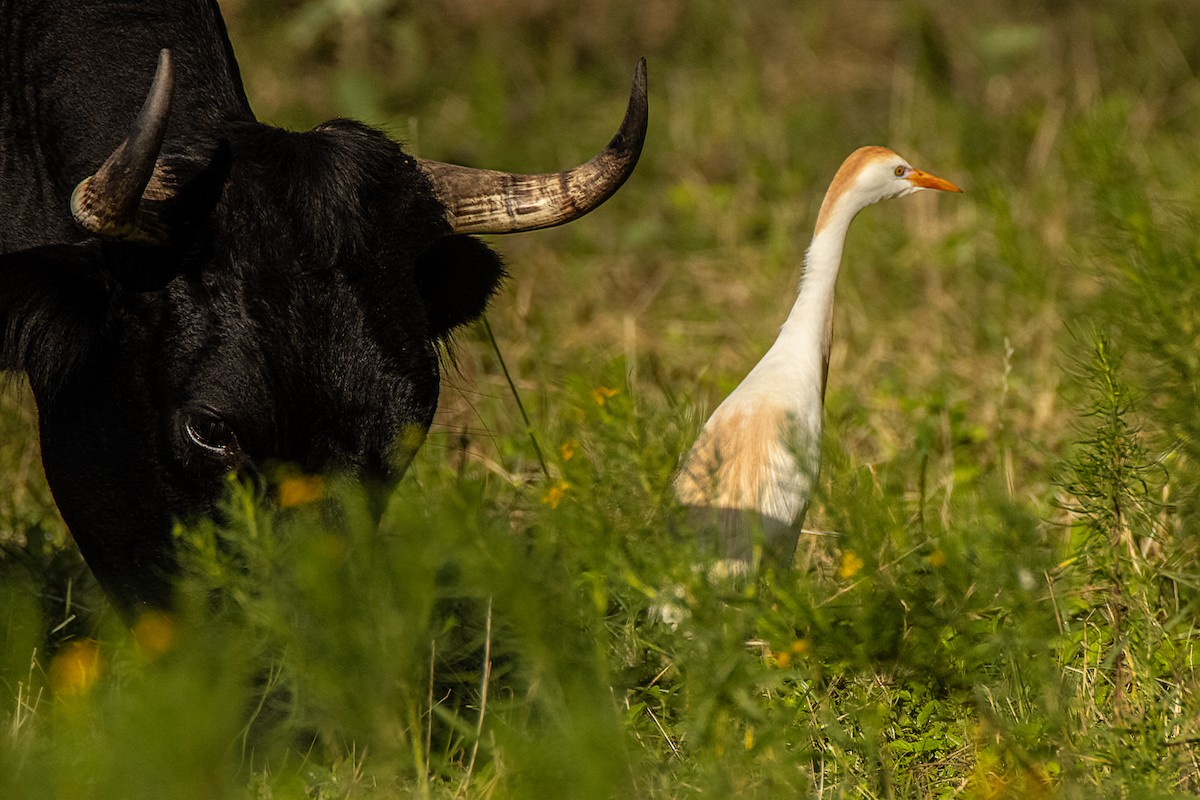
(995,594)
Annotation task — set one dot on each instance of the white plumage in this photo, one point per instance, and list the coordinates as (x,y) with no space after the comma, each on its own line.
(752,469)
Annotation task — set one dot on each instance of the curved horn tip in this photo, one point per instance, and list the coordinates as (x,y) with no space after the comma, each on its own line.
(639,77)
(639,101)
(163,85)
(632,133)
(164,60)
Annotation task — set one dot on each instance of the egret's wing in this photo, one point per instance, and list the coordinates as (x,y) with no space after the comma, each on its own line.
(742,479)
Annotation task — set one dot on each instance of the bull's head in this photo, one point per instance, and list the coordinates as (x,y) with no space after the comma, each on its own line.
(254,296)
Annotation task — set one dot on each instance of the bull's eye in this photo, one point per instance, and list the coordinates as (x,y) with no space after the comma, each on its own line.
(900,171)
(211,435)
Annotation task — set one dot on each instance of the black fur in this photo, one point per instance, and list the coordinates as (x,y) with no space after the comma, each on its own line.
(457,279)
(306,284)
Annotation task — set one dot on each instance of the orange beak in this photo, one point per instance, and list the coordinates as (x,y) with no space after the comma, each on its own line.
(926,181)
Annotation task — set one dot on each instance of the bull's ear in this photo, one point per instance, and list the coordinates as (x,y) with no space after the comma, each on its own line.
(193,189)
(54,308)
(457,276)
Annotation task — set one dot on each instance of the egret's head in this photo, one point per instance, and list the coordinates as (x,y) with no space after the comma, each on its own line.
(882,174)
(871,174)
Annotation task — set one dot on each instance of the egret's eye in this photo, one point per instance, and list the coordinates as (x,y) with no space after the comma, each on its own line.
(211,435)
(900,171)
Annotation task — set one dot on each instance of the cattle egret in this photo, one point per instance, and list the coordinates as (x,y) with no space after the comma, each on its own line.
(752,469)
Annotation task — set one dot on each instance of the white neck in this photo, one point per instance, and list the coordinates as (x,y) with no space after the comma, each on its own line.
(814,301)
(805,337)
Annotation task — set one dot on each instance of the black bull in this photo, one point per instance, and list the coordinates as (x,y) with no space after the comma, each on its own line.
(200,292)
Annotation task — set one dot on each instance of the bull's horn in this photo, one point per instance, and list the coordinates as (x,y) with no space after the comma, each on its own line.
(486,201)
(107,203)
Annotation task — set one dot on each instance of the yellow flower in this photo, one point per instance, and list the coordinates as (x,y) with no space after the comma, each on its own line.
(851,564)
(799,647)
(568,449)
(782,660)
(300,490)
(554,494)
(601,394)
(76,668)
(937,558)
(748,741)
(154,634)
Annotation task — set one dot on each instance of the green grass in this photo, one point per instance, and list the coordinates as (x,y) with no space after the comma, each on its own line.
(997,594)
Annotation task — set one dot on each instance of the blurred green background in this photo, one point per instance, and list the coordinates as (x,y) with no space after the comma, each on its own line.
(996,595)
